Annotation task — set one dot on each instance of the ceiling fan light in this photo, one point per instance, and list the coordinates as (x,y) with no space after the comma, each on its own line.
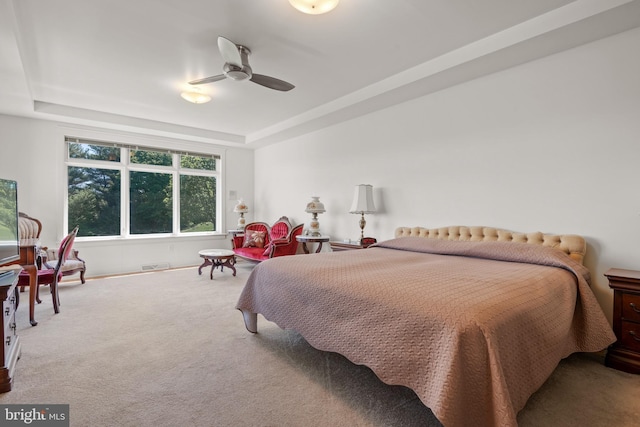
(314,7)
(196,97)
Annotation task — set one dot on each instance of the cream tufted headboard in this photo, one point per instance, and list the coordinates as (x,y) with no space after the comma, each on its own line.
(573,245)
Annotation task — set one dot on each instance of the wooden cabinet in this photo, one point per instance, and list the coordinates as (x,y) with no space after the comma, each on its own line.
(10,341)
(624,354)
(340,246)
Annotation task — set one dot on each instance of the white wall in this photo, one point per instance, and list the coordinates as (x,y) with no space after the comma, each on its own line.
(33,153)
(552,146)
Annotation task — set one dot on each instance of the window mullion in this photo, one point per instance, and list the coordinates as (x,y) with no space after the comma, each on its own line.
(125,196)
(176,201)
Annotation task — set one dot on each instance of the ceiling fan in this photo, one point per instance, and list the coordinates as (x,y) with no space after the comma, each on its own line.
(237,67)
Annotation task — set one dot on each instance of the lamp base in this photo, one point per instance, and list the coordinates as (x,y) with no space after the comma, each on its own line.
(314,227)
(362,224)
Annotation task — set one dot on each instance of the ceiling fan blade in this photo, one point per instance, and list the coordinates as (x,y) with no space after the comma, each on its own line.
(229,51)
(208,79)
(271,82)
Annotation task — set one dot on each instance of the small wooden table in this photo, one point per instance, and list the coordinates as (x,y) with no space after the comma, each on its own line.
(312,239)
(217,258)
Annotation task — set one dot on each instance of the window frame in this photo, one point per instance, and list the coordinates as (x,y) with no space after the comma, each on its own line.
(125,166)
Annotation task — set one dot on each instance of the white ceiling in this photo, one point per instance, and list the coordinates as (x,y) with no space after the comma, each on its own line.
(122,64)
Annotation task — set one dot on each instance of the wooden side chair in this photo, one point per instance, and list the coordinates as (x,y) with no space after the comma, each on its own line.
(51,276)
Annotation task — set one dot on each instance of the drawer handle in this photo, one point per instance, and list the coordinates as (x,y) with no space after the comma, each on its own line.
(6,311)
(634,307)
(633,335)
(8,340)
(13,326)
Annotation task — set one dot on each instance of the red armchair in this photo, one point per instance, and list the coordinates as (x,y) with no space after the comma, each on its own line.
(261,241)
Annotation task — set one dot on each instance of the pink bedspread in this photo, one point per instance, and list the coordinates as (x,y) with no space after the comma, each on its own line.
(474,328)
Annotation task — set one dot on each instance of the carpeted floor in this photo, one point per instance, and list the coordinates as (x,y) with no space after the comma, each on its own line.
(168,348)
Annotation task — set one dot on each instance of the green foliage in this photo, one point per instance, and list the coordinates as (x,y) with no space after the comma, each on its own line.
(198,202)
(8,225)
(145,157)
(94,201)
(94,152)
(197,162)
(151,202)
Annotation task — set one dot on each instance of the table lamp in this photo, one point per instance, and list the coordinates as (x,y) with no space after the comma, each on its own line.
(314,207)
(363,204)
(241,208)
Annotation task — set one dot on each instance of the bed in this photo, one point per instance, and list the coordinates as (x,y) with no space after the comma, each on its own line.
(473,319)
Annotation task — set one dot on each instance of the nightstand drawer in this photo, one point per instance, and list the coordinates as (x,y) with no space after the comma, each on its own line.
(631,307)
(630,336)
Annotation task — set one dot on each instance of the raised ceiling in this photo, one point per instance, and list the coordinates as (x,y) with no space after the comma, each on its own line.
(122,64)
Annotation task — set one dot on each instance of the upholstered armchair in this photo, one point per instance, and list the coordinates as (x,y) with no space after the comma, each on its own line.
(29,229)
(261,241)
(286,245)
(73,264)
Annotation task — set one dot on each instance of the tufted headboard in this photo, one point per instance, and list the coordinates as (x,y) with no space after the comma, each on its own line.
(573,245)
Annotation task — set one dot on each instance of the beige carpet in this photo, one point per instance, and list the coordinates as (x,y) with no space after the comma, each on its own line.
(168,348)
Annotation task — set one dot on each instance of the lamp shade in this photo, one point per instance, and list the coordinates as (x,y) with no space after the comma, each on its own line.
(241,207)
(315,205)
(363,200)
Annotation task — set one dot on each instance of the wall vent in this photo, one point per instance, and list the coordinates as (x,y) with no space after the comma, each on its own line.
(158,266)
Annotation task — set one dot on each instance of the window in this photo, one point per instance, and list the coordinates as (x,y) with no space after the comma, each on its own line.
(119,190)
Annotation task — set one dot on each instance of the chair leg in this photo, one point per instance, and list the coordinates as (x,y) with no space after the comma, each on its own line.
(55,297)
(82,276)
(38,300)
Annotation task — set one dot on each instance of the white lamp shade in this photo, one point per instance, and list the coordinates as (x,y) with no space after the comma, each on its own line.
(241,207)
(315,205)
(363,200)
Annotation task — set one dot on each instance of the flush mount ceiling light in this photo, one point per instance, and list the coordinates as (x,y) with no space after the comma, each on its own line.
(314,7)
(196,97)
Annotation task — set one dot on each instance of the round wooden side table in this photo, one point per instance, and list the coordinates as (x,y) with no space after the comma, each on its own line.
(312,239)
(217,258)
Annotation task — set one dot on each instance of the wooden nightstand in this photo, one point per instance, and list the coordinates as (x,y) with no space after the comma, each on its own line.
(342,246)
(624,354)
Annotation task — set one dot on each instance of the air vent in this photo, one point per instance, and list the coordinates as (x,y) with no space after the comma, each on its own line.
(158,266)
